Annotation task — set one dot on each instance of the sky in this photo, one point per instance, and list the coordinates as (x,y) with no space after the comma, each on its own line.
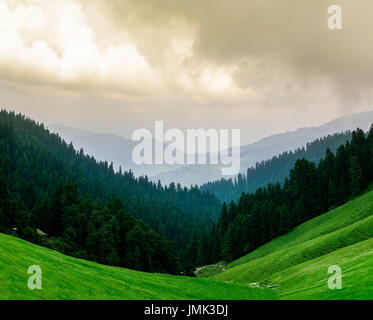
(262,66)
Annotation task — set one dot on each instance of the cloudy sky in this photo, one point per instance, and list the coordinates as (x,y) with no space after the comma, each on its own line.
(264,66)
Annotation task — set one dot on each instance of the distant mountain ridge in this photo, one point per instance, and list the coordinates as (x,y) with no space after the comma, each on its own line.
(269,147)
(108,147)
(274,170)
(46,184)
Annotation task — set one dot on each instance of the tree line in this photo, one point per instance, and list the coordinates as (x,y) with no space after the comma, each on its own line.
(86,229)
(273,170)
(59,197)
(309,191)
(67,194)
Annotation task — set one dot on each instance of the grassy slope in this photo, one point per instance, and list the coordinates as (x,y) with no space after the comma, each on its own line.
(69,278)
(299,260)
(309,280)
(351,212)
(260,269)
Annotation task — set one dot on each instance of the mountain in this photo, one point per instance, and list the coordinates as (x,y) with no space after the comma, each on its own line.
(310,190)
(280,240)
(90,210)
(298,262)
(111,148)
(267,148)
(276,144)
(274,170)
(86,280)
(296,265)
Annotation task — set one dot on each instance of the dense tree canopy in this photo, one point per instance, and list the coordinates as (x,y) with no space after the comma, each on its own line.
(56,196)
(46,184)
(310,190)
(274,170)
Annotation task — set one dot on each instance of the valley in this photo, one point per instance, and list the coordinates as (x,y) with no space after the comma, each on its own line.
(295,265)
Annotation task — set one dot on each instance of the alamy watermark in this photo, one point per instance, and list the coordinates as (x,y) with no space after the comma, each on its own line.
(172,147)
(35,281)
(335,17)
(335,281)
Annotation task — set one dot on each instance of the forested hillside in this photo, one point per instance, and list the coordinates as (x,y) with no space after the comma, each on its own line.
(86,208)
(310,190)
(53,195)
(297,262)
(274,170)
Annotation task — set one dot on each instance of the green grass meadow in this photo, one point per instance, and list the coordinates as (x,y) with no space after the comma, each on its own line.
(68,278)
(296,263)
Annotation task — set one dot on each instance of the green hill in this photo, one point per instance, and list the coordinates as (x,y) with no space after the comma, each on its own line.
(343,216)
(298,261)
(308,280)
(46,184)
(69,278)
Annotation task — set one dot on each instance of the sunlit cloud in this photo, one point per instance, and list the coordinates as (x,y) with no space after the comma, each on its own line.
(157,59)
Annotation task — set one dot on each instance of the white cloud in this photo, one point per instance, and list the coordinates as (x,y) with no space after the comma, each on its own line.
(61,47)
(181,59)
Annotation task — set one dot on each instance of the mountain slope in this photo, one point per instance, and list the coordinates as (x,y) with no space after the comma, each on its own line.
(65,277)
(34,161)
(269,147)
(298,261)
(308,281)
(274,170)
(350,213)
(110,147)
(262,268)
(117,149)
(69,278)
